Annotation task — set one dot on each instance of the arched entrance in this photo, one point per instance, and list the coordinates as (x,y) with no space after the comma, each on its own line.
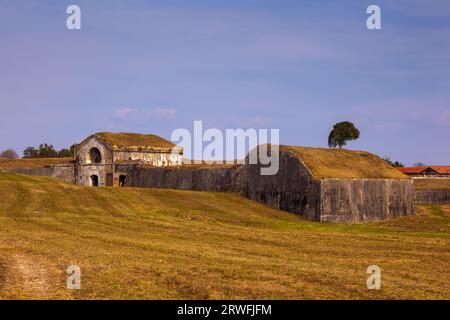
(122,180)
(95,156)
(94,181)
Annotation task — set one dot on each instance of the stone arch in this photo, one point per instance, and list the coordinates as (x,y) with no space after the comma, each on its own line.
(94,180)
(95,155)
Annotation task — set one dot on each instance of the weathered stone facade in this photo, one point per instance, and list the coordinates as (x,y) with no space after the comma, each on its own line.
(191,177)
(295,189)
(354,200)
(432,196)
(97,159)
(292,189)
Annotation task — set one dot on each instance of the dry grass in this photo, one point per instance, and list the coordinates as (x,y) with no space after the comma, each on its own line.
(421,184)
(134,140)
(155,244)
(33,163)
(342,163)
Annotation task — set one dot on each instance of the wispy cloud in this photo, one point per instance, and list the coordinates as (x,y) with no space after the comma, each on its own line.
(139,115)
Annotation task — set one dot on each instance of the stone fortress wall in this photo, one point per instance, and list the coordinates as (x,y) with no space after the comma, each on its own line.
(294,188)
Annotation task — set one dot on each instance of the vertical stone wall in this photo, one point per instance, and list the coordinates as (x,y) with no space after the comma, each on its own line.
(152,158)
(221,178)
(356,200)
(432,196)
(62,172)
(292,189)
(104,173)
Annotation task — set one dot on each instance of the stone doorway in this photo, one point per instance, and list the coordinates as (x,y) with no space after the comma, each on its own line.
(94,181)
(122,180)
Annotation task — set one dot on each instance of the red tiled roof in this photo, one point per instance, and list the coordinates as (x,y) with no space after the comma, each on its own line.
(412,169)
(438,169)
(441,169)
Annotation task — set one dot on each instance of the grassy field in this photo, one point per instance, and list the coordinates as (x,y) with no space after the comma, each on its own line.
(155,244)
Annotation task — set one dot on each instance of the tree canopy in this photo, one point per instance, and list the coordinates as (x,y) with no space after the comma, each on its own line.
(9,154)
(393,163)
(48,151)
(341,133)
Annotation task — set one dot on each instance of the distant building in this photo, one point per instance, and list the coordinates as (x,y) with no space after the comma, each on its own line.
(98,155)
(427,171)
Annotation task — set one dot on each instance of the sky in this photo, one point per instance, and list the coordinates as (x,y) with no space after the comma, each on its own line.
(297,66)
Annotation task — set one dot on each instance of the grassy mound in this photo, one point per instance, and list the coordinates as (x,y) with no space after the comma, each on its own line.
(341,163)
(152,244)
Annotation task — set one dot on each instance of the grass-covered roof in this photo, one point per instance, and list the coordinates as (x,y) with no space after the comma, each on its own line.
(134,141)
(342,163)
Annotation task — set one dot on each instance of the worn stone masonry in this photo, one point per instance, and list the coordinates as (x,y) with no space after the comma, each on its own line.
(191,177)
(62,172)
(354,200)
(295,189)
(292,189)
(432,196)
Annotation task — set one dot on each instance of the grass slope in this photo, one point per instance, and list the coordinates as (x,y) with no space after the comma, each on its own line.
(154,244)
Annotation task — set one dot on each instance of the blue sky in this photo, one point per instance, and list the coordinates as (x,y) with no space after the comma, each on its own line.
(300,66)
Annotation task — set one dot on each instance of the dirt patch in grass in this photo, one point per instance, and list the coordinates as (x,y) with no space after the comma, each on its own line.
(22,277)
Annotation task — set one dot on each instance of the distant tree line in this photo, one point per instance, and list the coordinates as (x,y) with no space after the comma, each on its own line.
(48,151)
(9,154)
(393,163)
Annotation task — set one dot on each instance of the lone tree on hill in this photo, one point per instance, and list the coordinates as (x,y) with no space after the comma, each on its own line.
(341,133)
(9,154)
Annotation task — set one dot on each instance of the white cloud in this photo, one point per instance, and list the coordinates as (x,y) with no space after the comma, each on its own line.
(141,115)
(163,113)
